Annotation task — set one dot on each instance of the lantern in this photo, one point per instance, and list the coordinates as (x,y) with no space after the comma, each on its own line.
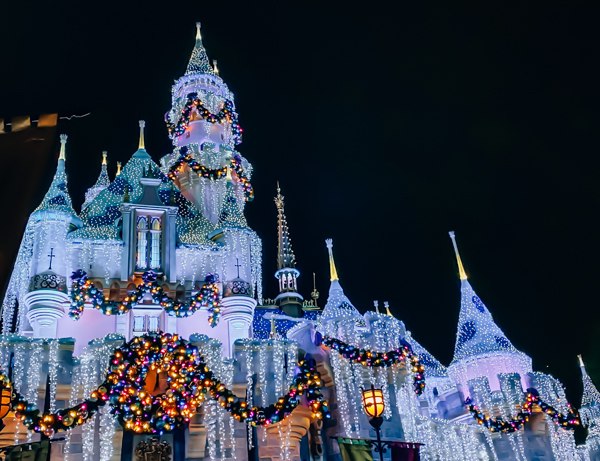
(372,400)
(5,399)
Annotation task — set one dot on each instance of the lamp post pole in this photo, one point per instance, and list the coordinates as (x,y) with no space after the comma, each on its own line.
(376,423)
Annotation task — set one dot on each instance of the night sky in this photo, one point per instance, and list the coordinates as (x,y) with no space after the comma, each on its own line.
(385,128)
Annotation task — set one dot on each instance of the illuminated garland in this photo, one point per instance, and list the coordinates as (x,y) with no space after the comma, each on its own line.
(567,421)
(83,290)
(60,420)
(370,358)
(216,173)
(227,114)
(174,399)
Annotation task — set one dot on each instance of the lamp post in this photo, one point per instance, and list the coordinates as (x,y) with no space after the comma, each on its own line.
(374,405)
(5,402)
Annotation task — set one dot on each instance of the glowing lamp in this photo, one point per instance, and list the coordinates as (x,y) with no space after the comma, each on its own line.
(5,399)
(373,403)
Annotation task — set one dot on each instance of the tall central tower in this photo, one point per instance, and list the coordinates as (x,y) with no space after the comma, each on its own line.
(203,126)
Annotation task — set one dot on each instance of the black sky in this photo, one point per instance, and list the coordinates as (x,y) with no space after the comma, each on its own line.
(385,127)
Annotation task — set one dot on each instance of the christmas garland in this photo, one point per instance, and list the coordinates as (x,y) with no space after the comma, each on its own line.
(567,421)
(188,381)
(370,358)
(83,290)
(227,114)
(217,173)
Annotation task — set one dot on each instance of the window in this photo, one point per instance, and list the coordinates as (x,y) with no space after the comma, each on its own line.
(155,247)
(149,243)
(145,323)
(142,244)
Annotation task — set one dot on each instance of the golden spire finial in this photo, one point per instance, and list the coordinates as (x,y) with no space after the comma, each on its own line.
(387,308)
(141,144)
(279,199)
(461,270)
(198,34)
(333,272)
(580,361)
(104,156)
(63,142)
(215,68)
(118,168)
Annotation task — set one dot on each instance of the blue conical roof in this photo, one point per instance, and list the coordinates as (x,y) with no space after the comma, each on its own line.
(477,332)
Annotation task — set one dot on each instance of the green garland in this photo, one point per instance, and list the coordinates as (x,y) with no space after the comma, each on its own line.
(188,381)
(83,290)
(370,358)
(568,421)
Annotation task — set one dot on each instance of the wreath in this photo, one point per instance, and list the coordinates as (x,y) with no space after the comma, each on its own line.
(83,290)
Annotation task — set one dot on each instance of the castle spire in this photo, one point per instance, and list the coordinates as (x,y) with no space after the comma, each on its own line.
(333,276)
(461,270)
(199,63)
(477,332)
(285,254)
(338,305)
(102,182)
(590,395)
(288,298)
(57,198)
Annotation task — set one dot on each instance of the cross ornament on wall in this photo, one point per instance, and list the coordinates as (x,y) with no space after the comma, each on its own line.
(51,255)
(238,265)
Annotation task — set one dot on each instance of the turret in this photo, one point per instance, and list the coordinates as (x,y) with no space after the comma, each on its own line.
(338,307)
(102,182)
(590,404)
(203,126)
(481,349)
(288,299)
(50,223)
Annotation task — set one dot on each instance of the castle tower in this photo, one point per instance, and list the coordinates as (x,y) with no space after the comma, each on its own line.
(52,220)
(102,182)
(288,299)
(590,409)
(481,349)
(203,127)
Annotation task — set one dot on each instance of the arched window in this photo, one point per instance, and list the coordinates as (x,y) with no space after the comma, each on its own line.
(141,260)
(149,243)
(155,247)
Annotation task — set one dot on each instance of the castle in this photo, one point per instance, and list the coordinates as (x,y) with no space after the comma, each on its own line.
(137,329)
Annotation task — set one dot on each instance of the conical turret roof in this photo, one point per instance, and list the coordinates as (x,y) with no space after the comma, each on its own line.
(199,63)
(102,183)
(57,198)
(433,367)
(477,332)
(338,305)
(590,395)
